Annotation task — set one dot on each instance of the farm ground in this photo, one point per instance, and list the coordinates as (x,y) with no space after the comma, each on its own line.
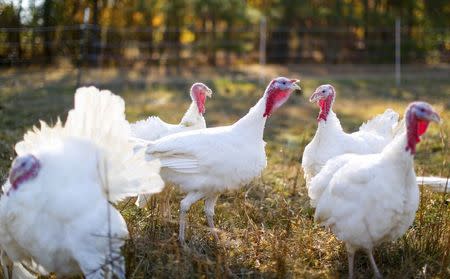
(266,228)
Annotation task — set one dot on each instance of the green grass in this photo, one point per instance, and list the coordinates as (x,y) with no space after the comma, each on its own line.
(266,228)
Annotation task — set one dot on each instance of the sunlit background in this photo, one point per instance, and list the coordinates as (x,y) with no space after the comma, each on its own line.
(377,54)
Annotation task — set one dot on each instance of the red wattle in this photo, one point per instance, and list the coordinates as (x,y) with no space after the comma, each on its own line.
(325,106)
(422,126)
(275,98)
(415,128)
(200,100)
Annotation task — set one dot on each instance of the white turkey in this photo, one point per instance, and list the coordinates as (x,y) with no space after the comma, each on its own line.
(330,139)
(55,213)
(154,128)
(207,162)
(369,199)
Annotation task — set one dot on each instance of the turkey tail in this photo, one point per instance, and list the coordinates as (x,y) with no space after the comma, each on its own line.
(20,272)
(36,138)
(382,124)
(148,129)
(5,262)
(436,184)
(99,116)
(399,128)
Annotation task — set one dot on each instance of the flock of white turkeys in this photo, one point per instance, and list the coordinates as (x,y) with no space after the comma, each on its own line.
(57,213)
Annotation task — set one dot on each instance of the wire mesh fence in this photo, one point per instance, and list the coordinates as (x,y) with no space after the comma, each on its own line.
(88,44)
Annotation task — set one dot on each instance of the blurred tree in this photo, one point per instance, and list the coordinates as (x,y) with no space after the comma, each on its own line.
(218,23)
(216,31)
(174,20)
(282,17)
(437,13)
(33,23)
(148,9)
(208,12)
(47,22)
(9,16)
(234,14)
(94,44)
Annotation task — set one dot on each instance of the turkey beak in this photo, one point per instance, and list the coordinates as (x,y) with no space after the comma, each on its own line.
(434,116)
(208,92)
(316,96)
(295,86)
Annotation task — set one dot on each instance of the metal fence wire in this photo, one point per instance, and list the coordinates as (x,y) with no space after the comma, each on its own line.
(88,44)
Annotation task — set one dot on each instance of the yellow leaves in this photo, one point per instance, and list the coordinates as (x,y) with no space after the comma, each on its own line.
(187,36)
(78,17)
(157,20)
(359,32)
(106,16)
(138,18)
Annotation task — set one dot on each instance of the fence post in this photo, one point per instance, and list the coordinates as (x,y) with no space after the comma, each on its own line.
(83,45)
(398,34)
(262,46)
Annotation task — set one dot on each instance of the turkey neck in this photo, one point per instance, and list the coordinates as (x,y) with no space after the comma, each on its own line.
(192,116)
(331,126)
(396,151)
(252,124)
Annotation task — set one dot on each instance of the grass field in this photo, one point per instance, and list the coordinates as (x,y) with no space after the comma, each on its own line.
(266,228)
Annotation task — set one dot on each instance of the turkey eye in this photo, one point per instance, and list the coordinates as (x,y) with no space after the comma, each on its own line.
(323,91)
(284,83)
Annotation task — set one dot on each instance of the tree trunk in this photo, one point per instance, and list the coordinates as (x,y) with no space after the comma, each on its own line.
(171,37)
(33,33)
(228,39)
(212,44)
(95,37)
(19,22)
(366,28)
(409,42)
(278,45)
(333,47)
(47,22)
(203,38)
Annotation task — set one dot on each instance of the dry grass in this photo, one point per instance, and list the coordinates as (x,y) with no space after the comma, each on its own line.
(267,227)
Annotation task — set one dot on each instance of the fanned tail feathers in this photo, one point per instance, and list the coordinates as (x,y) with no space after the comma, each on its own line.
(20,272)
(37,138)
(99,117)
(148,129)
(382,124)
(399,128)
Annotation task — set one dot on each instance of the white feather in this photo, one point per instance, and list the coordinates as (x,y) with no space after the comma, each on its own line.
(62,219)
(330,140)
(154,128)
(207,162)
(213,159)
(367,199)
(20,272)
